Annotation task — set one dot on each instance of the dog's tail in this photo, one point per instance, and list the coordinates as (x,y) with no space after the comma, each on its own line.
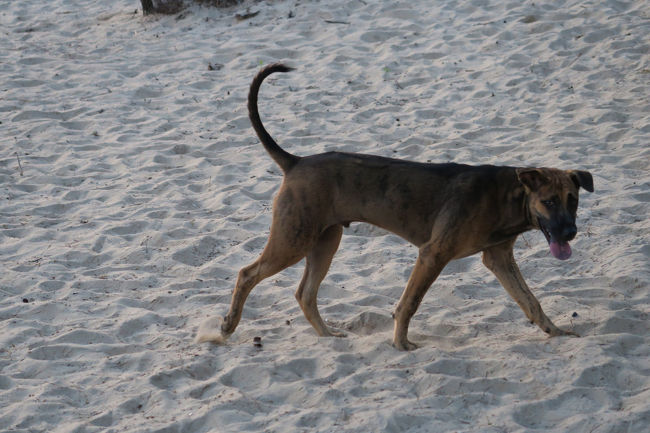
(284,159)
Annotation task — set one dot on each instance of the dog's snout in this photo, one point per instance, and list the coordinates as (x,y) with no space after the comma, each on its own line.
(569,232)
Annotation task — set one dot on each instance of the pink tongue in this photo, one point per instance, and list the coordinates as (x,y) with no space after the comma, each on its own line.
(560,251)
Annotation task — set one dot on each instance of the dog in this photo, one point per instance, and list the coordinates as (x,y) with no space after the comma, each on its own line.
(449,211)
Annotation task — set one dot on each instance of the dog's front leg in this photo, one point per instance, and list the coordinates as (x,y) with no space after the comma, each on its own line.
(500,260)
(426,270)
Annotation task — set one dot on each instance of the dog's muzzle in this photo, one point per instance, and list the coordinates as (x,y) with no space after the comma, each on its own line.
(558,237)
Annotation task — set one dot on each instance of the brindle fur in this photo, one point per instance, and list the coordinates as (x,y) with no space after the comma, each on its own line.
(448,211)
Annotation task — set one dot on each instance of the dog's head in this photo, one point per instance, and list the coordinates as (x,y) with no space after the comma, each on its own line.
(553,203)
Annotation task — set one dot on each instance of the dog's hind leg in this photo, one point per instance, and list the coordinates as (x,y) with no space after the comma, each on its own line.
(280,253)
(318,263)
(500,260)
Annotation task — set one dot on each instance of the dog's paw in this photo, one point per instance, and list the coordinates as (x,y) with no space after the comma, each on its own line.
(404,345)
(336,333)
(210,331)
(557,332)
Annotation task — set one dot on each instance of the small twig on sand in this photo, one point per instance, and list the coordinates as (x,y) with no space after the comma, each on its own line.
(336,22)
(19,164)
(246,16)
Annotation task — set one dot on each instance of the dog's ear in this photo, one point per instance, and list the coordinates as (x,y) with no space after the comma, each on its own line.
(582,179)
(533,178)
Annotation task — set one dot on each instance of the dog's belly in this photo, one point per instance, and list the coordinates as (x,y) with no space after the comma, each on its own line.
(402,219)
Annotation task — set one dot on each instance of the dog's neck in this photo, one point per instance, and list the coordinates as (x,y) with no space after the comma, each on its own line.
(522,221)
(518,220)
(526,211)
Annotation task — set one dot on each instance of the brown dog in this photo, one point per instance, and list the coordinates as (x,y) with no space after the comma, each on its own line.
(448,211)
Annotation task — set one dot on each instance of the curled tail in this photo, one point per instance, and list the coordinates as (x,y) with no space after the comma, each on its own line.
(283,158)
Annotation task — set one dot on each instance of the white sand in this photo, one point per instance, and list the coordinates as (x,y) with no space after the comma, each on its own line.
(144,190)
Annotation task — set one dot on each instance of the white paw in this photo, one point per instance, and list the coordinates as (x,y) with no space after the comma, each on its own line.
(210,331)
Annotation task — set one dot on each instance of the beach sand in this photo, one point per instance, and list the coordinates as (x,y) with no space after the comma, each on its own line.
(133,190)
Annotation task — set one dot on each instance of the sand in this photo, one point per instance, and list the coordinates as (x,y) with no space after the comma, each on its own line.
(133,190)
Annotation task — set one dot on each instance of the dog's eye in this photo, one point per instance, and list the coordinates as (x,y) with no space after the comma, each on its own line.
(549,203)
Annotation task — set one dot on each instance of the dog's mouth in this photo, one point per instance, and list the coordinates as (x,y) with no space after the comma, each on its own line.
(560,249)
